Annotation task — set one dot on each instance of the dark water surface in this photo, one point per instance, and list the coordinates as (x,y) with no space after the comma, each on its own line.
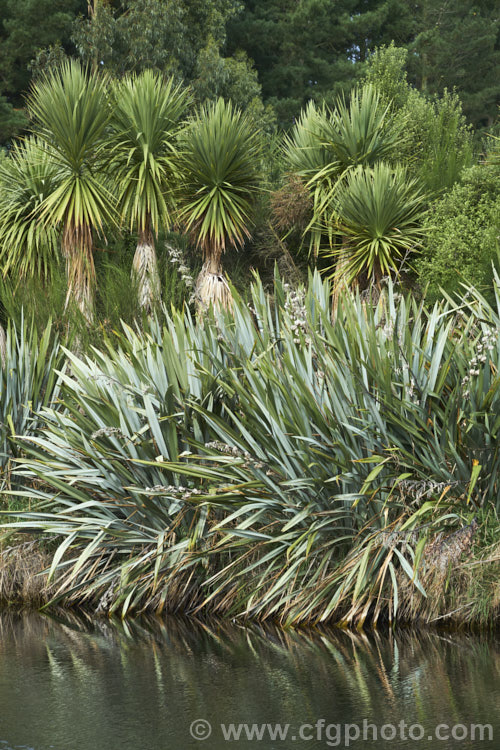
(70,684)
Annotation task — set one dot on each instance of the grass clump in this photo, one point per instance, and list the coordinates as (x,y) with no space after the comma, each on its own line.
(23,575)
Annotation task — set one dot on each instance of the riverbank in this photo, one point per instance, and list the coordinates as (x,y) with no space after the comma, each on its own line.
(266,463)
(460,576)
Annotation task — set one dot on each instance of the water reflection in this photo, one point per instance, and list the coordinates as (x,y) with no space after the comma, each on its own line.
(70,683)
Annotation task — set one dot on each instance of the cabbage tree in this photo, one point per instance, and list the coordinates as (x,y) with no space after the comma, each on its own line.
(380,213)
(147,111)
(325,146)
(70,111)
(28,176)
(219,166)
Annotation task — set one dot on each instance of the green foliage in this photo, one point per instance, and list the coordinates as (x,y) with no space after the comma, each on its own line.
(143,35)
(38,300)
(433,138)
(163,35)
(325,147)
(178,267)
(219,166)
(70,111)
(462,239)
(317,48)
(270,463)
(235,79)
(305,149)
(457,48)
(357,133)
(492,148)
(12,121)
(116,298)
(386,71)
(147,110)
(42,302)
(380,215)
(27,26)
(28,246)
(28,382)
(227,77)
(48,60)
(313,49)
(438,142)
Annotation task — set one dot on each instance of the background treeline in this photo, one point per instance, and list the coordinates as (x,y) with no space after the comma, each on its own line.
(257,51)
(383,181)
(435,68)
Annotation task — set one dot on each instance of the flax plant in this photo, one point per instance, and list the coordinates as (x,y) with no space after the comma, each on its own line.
(28,381)
(271,464)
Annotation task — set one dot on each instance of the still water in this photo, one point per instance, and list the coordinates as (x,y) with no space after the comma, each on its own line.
(71,684)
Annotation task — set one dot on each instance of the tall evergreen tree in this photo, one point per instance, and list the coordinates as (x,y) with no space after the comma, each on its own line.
(28,25)
(25,27)
(314,48)
(166,35)
(458,46)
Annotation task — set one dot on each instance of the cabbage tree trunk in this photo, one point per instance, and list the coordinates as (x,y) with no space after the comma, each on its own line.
(145,274)
(80,270)
(211,286)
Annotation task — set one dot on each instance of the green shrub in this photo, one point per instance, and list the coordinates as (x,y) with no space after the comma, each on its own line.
(434,139)
(437,142)
(463,233)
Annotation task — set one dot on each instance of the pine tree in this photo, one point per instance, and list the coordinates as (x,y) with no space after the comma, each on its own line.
(459,47)
(314,48)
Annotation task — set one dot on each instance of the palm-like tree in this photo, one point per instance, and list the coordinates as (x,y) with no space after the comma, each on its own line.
(307,155)
(27,177)
(146,115)
(70,110)
(306,150)
(219,166)
(358,133)
(325,146)
(371,210)
(380,214)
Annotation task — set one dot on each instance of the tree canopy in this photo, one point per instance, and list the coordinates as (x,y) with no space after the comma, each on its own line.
(276,52)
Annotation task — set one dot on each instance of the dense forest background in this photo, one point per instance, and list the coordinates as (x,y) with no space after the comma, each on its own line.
(288,67)
(277,53)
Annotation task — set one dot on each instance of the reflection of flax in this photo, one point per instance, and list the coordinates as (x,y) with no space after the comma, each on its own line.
(289,670)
